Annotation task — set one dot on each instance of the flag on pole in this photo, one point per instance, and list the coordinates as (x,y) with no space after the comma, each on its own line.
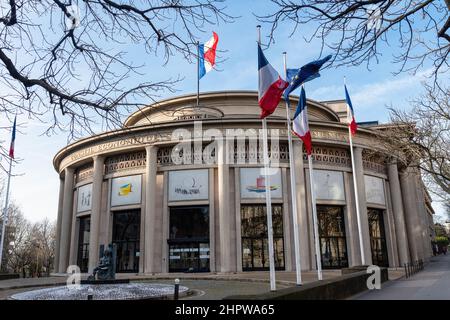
(13,139)
(306,73)
(207,55)
(270,86)
(300,125)
(350,113)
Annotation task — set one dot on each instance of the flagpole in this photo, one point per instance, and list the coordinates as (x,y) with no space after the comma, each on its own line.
(198,76)
(268,195)
(355,187)
(315,220)
(298,270)
(5,212)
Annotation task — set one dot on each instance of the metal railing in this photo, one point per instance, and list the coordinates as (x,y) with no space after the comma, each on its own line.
(413,267)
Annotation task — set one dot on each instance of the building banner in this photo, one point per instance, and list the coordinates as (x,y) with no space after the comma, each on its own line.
(253,183)
(185,185)
(126,190)
(329,185)
(374,190)
(84,202)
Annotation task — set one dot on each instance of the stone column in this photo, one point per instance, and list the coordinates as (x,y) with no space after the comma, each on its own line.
(399,215)
(58,224)
(223,187)
(352,237)
(150,211)
(414,229)
(66,221)
(422,213)
(97,182)
(302,212)
(359,172)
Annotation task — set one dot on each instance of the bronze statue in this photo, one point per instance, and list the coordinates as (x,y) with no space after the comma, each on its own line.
(105,270)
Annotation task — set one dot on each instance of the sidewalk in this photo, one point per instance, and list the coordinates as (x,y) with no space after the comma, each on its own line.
(433,283)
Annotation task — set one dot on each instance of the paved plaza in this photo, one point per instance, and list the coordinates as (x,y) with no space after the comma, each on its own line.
(205,285)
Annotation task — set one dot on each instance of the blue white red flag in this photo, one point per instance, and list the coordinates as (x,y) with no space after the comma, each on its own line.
(270,86)
(300,125)
(207,55)
(350,113)
(13,139)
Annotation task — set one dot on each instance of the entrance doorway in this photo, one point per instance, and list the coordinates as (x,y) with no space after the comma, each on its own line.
(83,243)
(189,239)
(377,237)
(333,245)
(126,232)
(255,249)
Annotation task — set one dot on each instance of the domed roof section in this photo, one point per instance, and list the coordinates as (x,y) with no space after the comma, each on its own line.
(222,104)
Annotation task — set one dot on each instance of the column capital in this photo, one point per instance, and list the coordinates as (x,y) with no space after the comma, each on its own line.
(68,170)
(98,157)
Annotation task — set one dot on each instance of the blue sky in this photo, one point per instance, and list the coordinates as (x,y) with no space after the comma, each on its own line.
(36,189)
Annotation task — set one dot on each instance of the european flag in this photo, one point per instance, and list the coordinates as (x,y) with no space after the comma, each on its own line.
(306,73)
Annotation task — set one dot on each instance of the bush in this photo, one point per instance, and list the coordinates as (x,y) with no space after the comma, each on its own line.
(442,241)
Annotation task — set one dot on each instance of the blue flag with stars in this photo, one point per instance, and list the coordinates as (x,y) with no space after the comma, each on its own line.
(306,73)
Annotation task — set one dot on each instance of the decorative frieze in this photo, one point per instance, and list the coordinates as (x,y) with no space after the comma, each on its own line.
(330,156)
(374,161)
(244,153)
(126,161)
(84,173)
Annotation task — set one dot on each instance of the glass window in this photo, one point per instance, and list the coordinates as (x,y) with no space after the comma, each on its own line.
(377,237)
(126,233)
(83,243)
(189,239)
(255,250)
(189,223)
(333,246)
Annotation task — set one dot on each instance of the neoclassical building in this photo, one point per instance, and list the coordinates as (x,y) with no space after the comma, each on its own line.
(179,188)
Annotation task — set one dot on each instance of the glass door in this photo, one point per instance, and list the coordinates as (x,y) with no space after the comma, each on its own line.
(83,243)
(189,239)
(377,238)
(255,249)
(333,244)
(126,233)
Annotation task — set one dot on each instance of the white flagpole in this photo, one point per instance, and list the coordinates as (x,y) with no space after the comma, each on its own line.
(355,187)
(268,196)
(298,270)
(315,220)
(198,76)
(5,212)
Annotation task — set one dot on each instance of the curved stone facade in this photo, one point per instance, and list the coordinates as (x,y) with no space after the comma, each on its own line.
(176,189)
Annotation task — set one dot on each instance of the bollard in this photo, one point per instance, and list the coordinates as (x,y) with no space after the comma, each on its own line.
(176,290)
(90,294)
(406,270)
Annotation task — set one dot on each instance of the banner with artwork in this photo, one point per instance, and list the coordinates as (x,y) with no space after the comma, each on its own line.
(187,185)
(329,185)
(84,202)
(374,190)
(253,183)
(126,190)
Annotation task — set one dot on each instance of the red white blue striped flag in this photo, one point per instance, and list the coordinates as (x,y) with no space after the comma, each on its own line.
(300,125)
(350,113)
(13,139)
(207,55)
(270,86)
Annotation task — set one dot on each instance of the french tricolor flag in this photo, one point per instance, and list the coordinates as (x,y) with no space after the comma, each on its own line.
(270,86)
(350,113)
(13,139)
(207,55)
(300,125)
